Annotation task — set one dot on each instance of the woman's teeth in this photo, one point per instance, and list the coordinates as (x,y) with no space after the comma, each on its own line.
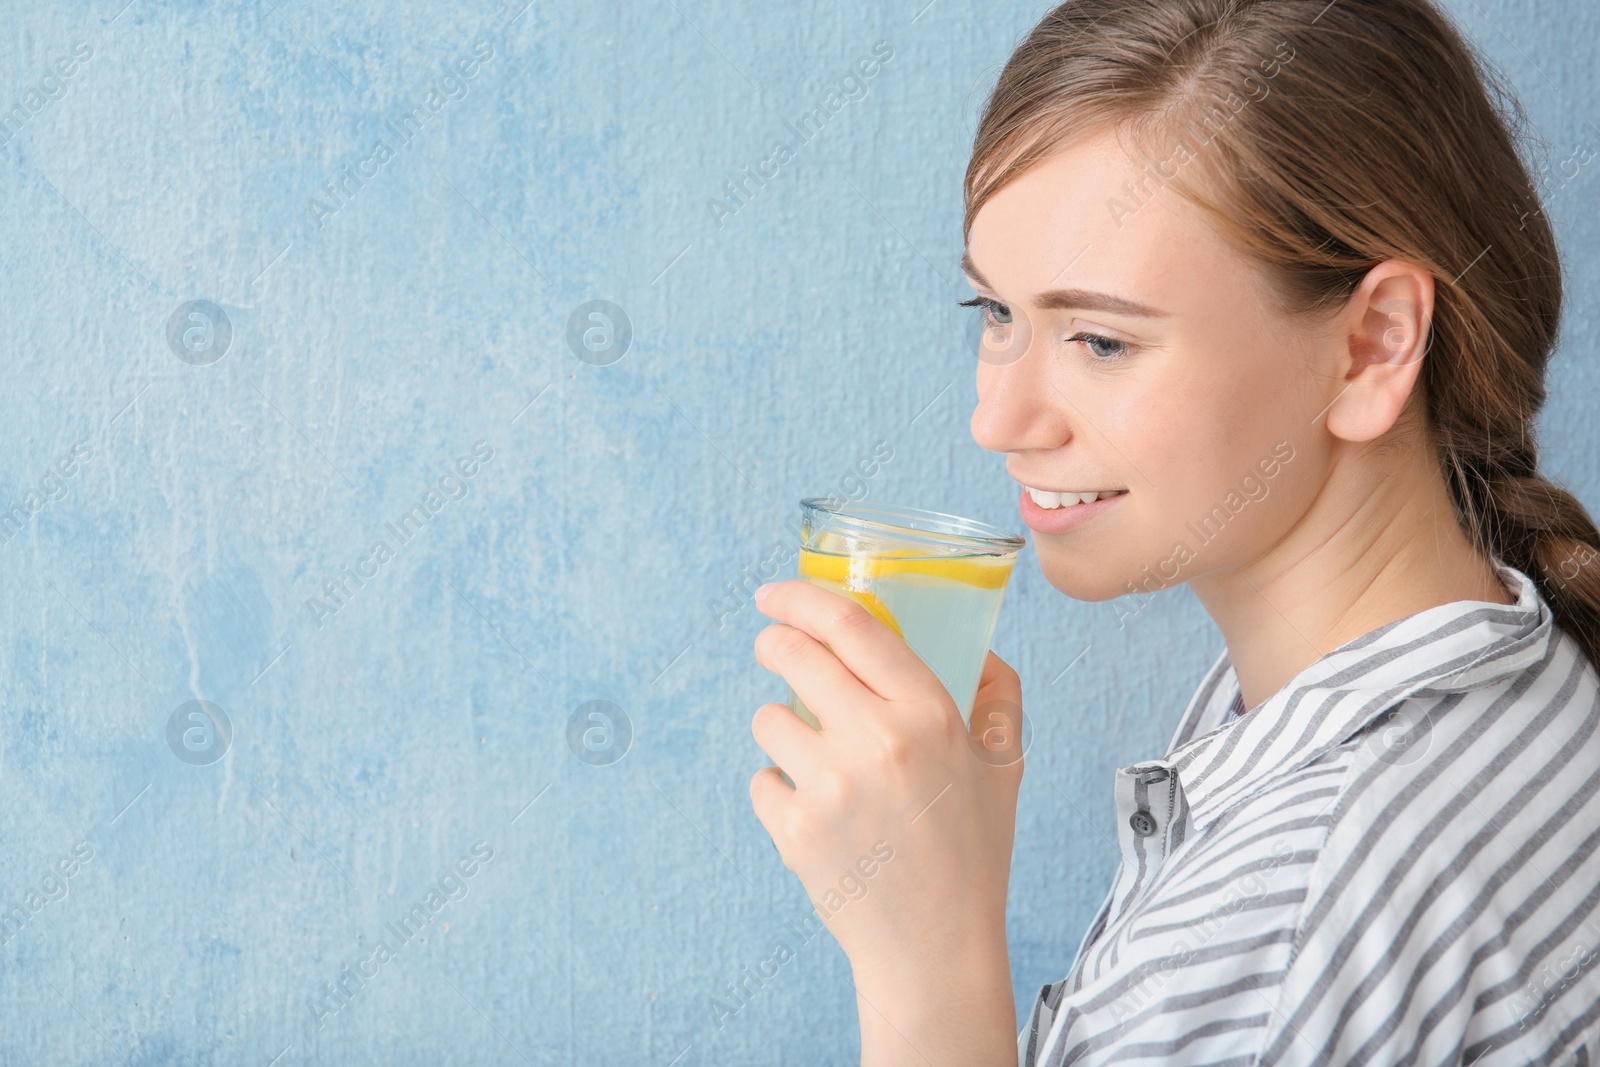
(1059,500)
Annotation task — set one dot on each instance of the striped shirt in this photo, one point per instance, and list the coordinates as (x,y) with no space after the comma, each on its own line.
(1393,860)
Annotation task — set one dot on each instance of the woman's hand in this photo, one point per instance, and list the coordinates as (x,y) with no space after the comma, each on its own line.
(899,824)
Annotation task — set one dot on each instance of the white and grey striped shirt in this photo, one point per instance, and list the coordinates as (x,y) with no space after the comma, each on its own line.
(1393,860)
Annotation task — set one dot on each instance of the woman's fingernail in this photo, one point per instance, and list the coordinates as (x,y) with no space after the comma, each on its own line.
(762,591)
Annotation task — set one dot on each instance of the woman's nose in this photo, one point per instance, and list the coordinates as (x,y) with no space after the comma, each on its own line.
(1018,406)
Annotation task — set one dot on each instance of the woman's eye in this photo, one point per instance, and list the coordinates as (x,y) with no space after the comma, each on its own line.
(1103,348)
(995,314)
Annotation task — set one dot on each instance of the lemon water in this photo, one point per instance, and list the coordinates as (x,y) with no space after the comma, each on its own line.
(945,608)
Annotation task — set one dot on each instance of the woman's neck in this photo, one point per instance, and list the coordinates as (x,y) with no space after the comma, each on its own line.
(1378,544)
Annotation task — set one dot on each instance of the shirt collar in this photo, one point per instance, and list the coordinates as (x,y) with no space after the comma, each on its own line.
(1450,648)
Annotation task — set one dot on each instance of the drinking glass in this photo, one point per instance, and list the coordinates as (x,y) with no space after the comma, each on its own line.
(935,580)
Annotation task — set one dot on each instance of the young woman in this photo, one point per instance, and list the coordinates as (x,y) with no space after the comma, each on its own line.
(1267,280)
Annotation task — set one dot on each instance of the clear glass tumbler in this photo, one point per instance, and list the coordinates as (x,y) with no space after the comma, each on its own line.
(936,580)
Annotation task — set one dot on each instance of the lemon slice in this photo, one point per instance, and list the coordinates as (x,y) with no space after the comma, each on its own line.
(853,571)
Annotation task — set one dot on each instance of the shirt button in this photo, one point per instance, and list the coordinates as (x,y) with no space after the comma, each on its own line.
(1143,823)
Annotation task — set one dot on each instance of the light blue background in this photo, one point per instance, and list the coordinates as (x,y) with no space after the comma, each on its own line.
(770,354)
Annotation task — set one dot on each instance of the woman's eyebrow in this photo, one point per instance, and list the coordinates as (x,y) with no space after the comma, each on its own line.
(1073,299)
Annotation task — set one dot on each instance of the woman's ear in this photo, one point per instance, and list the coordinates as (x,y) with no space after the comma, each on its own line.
(1386,327)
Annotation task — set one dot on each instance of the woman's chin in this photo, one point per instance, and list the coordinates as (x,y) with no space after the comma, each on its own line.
(1084,580)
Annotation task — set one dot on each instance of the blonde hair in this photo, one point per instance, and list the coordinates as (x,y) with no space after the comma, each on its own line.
(1329,138)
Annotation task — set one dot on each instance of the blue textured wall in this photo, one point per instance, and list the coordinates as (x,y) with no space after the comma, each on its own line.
(186,884)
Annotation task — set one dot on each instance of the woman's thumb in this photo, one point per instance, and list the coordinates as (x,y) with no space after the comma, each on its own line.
(999,681)
(996,729)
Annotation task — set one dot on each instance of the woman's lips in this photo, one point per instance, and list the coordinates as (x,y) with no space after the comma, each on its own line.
(1065,518)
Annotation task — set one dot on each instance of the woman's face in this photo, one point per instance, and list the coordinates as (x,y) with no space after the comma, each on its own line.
(1142,355)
